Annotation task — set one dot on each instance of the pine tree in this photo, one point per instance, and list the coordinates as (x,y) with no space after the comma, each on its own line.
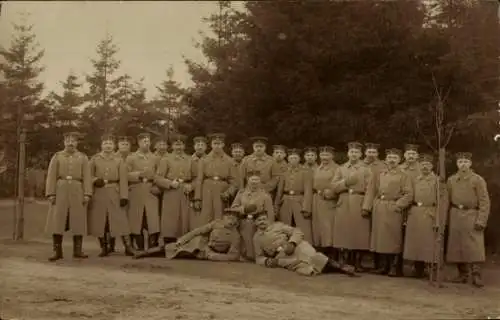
(65,106)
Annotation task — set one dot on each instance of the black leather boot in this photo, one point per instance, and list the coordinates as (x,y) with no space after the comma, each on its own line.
(476,276)
(153,240)
(104,247)
(358,261)
(418,269)
(77,248)
(56,247)
(112,244)
(127,243)
(139,241)
(463,273)
(342,268)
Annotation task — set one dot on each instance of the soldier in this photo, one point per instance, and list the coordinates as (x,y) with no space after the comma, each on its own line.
(247,202)
(109,176)
(69,189)
(237,152)
(218,240)
(391,196)
(323,208)
(143,204)
(352,220)
(294,196)
(424,220)
(279,155)
(260,161)
(161,147)
(469,212)
(200,149)
(175,178)
(310,158)
(278,245)
(376,165)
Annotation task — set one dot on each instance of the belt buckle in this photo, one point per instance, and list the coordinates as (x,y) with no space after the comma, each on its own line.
(216,178)
(69,178)
(250,216)
(144,180)
(180,180)
(460,206)
(382,197)
(351,191)
(106,181)
(419,204)
(291,193)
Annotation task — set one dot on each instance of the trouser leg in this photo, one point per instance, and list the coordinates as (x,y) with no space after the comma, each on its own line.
(57,247)
(77,247)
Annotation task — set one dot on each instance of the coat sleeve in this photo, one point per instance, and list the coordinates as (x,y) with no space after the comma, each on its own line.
(308,192)
(51,181)
(233,178)
(406,192)
(338,182)
(260,257)
(483,199)
(87,179)
(234,250)
(294,234)
(242,173)
(200,231)
(279,191)
(161,173)
(122,171)
(133,176)
(93,165)
(268,207)
(237,204)
(271,185)
(368,183)
(200,176)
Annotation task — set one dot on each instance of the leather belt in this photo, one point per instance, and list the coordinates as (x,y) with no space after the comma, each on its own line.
(421,204)
(320,192)
(70,178)
(181,180)
(385,198)
(351,191)
(141,180)
(216,178)
(111,181)
(294,193)
(462,207)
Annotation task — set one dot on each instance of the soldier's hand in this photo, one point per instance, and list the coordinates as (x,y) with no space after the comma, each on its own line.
(155,190)
(197,205)
(365,213)
(478,227)
(271,262)
(306,214)
(99,183)
(52,199)
(174,184)
(123,202)
(289,248)
(86,199)
(328,194)
(188,188)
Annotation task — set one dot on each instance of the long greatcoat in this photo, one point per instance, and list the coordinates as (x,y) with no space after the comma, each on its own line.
(420,240)
(193,214)
(305,260)
(141,199)
(175,202)
(68,179)
(323,210)
(216,175)
(392,195)
(294,195)
(106,200)
(351,229)
(264,203)
(469,204)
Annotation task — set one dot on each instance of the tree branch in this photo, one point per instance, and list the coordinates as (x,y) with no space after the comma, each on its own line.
(427,141)
(449,135)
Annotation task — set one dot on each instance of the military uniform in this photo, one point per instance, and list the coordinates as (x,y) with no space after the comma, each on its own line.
(468,216)
(310,165)
(294,198)
(281,164)
(69,188)
(161,151)
(238,147)
(196,158)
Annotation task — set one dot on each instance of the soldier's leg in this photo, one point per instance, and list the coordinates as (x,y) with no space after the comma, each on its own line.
(139,239)
(57,247)
(335,266)
(394,265)
(167,240)
(463,273)
(112,244)
(127,244)
(376,261)
(103,241)
(385,263)
(77,247)
(476,275)
(418,269)
(158,251)
(358,260)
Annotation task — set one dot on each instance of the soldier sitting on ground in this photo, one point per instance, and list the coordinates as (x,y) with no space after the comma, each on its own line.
(218,240)
(280,245)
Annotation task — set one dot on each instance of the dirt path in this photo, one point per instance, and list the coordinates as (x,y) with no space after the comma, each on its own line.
(120,288)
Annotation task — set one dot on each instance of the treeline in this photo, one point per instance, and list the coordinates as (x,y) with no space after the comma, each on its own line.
(302,73)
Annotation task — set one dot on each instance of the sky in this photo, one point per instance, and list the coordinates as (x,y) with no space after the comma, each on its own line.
(151,35)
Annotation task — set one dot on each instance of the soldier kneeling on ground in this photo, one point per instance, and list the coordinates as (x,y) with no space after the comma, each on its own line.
(279,245)
(218,240)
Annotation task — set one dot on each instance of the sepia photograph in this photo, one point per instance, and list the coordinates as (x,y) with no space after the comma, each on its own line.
(250,160)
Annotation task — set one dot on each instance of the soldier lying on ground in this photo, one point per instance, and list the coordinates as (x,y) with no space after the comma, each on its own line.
(280,245)
(218,240)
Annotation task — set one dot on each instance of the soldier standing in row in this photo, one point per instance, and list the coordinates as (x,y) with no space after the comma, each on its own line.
(109,176)
(216,183)
(468,217)
(376,166)
(352,220)
(424,220)
(392,195)
(175,178)
(200,151)
(237,152)
(143,204)
(323,208)
(69,189)
(294,196)
(253,199)
(279,155)
(310,158)
(161,147)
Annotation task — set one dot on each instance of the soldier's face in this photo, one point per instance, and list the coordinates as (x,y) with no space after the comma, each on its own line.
(261,222)
(463,164)
(178,146)
(392,160)
(161,146)
(426,167)
(279,155)
(217,145)
(325,157)
(70,143)
(310,157)
(371,153)
(144,143)
(237,154)
(108,146)
(124,146)
(253,182)
(354,154)
(293,159)
(230,220)
(200,147)
(411,156)
(259,148)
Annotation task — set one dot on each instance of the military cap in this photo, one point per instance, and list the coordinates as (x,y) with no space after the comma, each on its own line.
(464,155)
(426,158)
(217,137)
(294,151)
(355,145)
(279,147)
(108,137)
(142,136)
(178,138)
(161,139)
(200,139)
(370,145)
(259,140)
(326,149)
(310,149)
(124,139)
(411,147)
(235,146)
(393,151)
(72,134)
(253,173)
(231,211)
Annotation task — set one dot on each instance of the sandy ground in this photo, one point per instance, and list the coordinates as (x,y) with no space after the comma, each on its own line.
(120,288)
